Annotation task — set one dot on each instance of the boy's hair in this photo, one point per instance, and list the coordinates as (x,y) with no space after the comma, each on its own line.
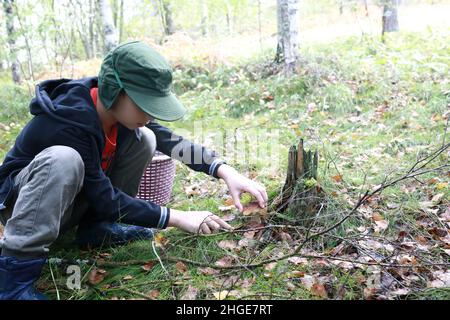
(120,95)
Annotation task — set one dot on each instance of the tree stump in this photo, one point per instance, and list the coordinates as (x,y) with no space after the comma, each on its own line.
(301,192)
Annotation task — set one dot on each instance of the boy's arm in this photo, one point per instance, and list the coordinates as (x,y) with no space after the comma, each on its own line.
(195,156)
(109,202)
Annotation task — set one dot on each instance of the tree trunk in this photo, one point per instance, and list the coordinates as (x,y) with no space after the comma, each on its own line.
(204,18)
(109,31)
(121,21)
(11,34)
(229,16)
(83,24)
(390,19)
(288,41)
(169,27)
(300,193)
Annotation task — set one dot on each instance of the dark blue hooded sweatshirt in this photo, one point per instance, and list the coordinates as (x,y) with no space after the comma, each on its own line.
(64,114)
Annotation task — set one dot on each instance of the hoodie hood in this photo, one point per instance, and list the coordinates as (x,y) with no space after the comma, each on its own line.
(68,101)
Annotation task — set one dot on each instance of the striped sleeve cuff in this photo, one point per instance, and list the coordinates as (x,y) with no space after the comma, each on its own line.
(163,218)
(215,166)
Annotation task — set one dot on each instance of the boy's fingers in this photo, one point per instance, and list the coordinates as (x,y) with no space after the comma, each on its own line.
(258,196)
(222,223)
(213,225)
(205,229)
(237,201)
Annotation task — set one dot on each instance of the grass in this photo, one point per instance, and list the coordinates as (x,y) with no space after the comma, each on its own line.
(373,108)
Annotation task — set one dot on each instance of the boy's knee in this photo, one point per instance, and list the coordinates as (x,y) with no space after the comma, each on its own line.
(67,161)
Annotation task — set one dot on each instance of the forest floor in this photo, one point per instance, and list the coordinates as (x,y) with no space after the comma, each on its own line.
(372,110)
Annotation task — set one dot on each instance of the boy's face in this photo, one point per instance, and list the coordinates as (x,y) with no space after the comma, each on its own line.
(128,113)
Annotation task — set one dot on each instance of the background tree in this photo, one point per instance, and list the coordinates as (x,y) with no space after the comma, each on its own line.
(389,18)
(111,38)
(11,38)
(288,39)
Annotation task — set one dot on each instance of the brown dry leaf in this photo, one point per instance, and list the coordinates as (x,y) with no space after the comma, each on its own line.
(270,266)
(128,278)
(193,190)
(290,286)
(154,294)
(298,260)
(96,276)
(441,279)
(103,255)
(227,244)
(437,232)
(337,178)
(227,208)
(148,266)
(225,261)
(249,234)
(381,225)
(180,267)
(377,217)
(229,202)
(253,208)
(318,289)
(208,271)
(437,198)
(190,293)
(220,295)
(228,217)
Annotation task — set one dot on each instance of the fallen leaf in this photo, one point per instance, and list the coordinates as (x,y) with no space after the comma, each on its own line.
(220,295)
(437,198)
(441,279)
(318,289)
(190,293)
(148,266)
(229,202)
(377,217)
(208,271)
(337,178)
(308,281)
(227,244)
(298,260)
(127,278)
(270,266)
(96,276)
(249,234)
(253,208)
(228,217)
(154,294)
(225,261)
(180,267)
(226,208)
(381,225)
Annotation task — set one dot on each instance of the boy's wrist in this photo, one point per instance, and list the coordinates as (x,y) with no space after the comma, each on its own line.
(225,171)
(174,218)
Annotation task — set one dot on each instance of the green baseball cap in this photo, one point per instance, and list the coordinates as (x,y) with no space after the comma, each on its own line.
(144,75)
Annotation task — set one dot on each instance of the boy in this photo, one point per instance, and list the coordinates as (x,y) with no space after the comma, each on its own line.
(79,162)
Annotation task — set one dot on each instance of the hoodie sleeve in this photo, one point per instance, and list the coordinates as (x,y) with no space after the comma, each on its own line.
(109,202)
(193,155)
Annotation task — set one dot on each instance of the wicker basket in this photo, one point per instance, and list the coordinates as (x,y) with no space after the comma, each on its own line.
(157,181)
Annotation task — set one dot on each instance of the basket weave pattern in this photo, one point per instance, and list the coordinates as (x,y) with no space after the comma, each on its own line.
(157,180)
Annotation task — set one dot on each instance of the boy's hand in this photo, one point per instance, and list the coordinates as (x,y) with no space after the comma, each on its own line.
(197,221)
(238,184)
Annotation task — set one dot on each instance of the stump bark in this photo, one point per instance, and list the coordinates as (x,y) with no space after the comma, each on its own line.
(301,192)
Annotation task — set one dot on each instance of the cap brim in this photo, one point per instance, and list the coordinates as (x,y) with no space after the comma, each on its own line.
(167,108)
